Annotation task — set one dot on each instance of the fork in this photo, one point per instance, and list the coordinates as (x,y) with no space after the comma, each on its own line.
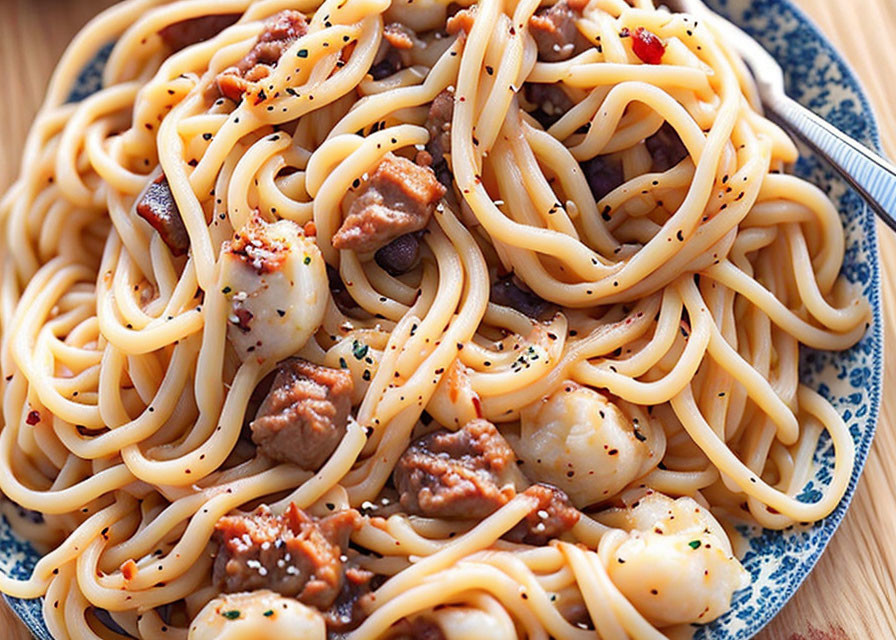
(871,175)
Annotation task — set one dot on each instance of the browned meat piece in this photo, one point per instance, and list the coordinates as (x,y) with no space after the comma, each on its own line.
(554,516)
(469,474)
(463,474)
(158,208)
(400,255)
(280,31)
(550,100)
(462,21)
(295,554)
(438,123)
(666,148)
(398,197)
(555,32)
(603,175)
(347,612)
(390,63)
(303,417)
(511,292)
(398,36)
(398,40)
(180,35)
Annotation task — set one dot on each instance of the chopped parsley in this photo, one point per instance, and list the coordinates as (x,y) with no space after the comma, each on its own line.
(268,613)
(233,614)
(359,350)
(694,544)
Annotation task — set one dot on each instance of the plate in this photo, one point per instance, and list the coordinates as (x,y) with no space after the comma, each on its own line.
(778,561)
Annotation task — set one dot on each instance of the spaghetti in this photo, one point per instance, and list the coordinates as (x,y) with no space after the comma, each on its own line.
(489,315)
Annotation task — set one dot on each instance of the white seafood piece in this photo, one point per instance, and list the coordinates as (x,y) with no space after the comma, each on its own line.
(580,442)
(469,623)
(259,614)
(675,565)
(275,282)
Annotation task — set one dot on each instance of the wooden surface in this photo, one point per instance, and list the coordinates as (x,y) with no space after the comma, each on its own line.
(851,595)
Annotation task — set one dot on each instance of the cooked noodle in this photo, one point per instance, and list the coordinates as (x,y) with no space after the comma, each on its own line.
(684,296)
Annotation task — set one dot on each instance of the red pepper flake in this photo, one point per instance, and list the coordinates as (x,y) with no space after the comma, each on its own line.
(477,406)
(33,418)
(129,570)
(648,46)
(310,229)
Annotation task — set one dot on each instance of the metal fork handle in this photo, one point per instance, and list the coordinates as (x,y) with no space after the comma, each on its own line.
(871,175)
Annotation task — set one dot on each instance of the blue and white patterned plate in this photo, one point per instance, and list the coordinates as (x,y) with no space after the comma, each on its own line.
(778,561)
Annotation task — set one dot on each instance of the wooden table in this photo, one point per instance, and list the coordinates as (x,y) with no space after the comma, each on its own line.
(851,595)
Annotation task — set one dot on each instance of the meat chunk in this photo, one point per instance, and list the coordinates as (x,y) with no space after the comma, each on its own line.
(398,198)
(347,612)
(390,63)
(400,255)
(180,35)
(554,516)
(158,208)
(550,100)
(462,474)
(303,417)
(462,21)
(399,36)
(603,175)
(393,56)
(294,555)
(666,148)
(471,473)
(280,31)
(511,292)
(438,123)
(555,32)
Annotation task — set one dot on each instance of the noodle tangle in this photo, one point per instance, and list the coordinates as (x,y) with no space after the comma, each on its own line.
(581,259)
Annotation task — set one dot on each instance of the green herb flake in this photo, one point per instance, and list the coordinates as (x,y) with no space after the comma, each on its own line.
(694,544)
(343,364)
(359,350)
(302,53)
(226,290)
(233,614)
(268,613)
(307,260)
